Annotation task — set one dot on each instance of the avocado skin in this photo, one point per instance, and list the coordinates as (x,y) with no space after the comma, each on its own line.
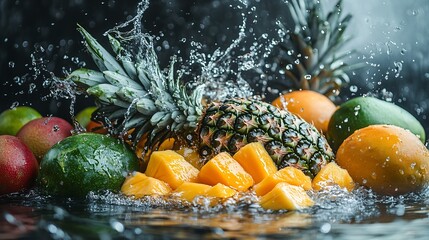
(361,112)
(86,162)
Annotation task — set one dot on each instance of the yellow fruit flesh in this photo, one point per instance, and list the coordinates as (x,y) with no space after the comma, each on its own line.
(332,174)
(171,168)
(191,155)
(189,190)
(289,175)
(220,191)
(222,168)
(286,197)
(256,161)
(139,185)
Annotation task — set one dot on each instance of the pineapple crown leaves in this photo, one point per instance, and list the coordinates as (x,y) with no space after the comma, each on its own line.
(137,96)
(309,53)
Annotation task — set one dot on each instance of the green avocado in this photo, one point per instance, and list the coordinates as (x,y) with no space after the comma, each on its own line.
(361,112)
(86,162)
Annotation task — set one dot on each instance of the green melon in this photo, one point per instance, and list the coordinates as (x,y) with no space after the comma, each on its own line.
(86,162)
(361,112)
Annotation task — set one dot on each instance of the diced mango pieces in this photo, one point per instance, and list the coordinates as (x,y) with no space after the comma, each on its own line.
(222,168)
(256,161)
(171,168)
(189,190)
(291,175)
(333,174)
(138,185)
(220,191)
(285,196)
(192,156)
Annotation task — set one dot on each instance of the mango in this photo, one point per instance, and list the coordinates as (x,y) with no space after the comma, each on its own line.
(189,190)
(285,196)
(222,168)
(361,112)
(191,155)
(256,161)
(290,175)
(138,185)
(388,159)
(171,168)
(333,174)
(220,191)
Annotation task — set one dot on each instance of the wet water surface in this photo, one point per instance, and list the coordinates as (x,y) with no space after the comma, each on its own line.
(336,215)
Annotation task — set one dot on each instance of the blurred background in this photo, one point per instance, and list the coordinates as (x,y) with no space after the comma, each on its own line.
(391,38)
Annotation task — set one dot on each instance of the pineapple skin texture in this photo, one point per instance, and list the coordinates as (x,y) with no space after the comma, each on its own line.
(288,139)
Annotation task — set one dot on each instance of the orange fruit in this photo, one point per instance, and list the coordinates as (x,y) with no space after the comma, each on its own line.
(96,127)
(312,106)
(388,159)
(11,120)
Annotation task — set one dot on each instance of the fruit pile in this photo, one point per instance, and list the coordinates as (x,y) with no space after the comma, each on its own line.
(152,135)
(385,154)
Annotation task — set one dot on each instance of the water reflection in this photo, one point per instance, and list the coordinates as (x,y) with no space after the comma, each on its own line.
(112,216)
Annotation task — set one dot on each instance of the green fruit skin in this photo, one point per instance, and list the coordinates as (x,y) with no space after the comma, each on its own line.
(12,120)
(84,116)
(86,162)
(361,112)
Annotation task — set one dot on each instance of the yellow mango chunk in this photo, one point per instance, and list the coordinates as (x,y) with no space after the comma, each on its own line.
(192,156)
(222,168)
(331,174)
(138,185)
(256,161)
(189,190)
(291,175)
(285,196)
(171,168)
(220,191)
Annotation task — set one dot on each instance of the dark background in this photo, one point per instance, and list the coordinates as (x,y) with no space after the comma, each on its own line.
(391,37)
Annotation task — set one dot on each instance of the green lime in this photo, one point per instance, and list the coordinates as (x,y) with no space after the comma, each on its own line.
(86,162)
(13,119)
(84,116)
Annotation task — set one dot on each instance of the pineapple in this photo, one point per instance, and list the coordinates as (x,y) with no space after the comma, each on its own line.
(138,96)
(309,54)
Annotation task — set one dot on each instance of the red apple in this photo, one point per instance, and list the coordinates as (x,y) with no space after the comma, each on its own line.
(42,133)
(18,166)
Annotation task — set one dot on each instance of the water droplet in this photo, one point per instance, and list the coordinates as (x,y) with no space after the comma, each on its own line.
(56,128)
(325,228)
(14,105)
(353,88)
(117,226)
